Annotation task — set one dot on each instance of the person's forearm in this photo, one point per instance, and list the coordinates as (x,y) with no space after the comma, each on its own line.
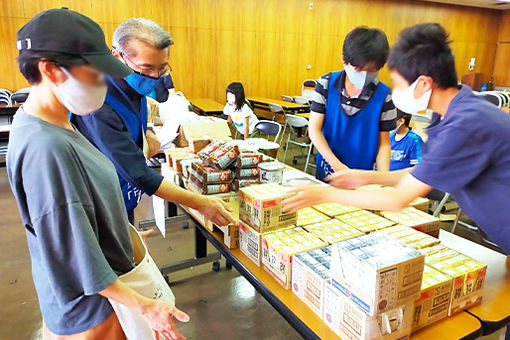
(388,178)
(246,129)
(320,143)
(383,158)
(121,293)
(173,193)
(387,199)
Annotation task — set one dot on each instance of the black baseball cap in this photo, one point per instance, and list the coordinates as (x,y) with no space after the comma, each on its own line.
(69,38)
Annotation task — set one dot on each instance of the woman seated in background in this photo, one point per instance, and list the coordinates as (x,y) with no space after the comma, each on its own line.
(237,110)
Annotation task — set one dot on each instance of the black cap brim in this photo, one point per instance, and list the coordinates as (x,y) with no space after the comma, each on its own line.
(108,64)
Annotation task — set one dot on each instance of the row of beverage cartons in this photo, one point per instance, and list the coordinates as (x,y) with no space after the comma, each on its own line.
(367,275)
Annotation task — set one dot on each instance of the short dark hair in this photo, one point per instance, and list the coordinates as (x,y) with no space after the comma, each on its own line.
(424,49)
(363,46)
(28,63)
(406,116)
(237,89)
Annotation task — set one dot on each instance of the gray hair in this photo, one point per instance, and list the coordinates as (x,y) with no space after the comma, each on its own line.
(141,29)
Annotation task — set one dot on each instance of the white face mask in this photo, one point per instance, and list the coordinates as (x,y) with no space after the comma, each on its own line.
(231,98)
(359,79)
(79,98)
(404,99)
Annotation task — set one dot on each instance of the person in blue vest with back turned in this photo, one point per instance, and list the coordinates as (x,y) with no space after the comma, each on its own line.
(352,112)
(119,128)
(406,145)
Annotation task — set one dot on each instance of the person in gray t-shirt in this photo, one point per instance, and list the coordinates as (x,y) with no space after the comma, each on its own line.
(67,191)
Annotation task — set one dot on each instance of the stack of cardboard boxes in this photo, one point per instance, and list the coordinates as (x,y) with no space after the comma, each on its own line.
(414,218)
(333,231)
(308,216)
(334,209)
(365,221)
(410,236)
(374,282)
(279,248)
(468,276)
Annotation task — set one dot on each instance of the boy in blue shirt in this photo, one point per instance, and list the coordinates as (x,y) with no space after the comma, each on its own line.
(405,144)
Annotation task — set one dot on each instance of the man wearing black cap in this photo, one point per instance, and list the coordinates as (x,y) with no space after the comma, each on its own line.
(118,129)
(67,191)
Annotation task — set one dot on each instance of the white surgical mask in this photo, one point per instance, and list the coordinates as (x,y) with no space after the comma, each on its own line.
(80,98)
(231,98)
(359,79)
(404,99)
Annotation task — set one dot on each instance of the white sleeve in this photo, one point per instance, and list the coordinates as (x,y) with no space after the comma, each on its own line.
(226,110)
(246,111)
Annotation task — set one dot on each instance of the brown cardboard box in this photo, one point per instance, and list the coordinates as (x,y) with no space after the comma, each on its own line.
(421,203)
(435,298)
(416,219)
(310,274)
(410,236)
(349,321)
(334,209)
(231,236)
(278,249)
(376,272)
(468,277)
(198,135)
(308,216)
(365,221)
(230,198)
(260,206)
(250,243)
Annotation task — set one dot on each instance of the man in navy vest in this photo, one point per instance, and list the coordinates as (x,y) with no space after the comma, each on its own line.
(352,112)
(118,128)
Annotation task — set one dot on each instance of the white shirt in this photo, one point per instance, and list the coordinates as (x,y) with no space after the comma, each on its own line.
(239,116)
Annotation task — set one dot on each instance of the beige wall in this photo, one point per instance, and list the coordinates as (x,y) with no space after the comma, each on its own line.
(266,44)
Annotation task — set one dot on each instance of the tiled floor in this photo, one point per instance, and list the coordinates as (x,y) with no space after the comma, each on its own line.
(221,305)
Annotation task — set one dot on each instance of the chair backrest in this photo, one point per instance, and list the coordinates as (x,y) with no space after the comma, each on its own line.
(308,88)
(247,102)
(286,98)
(275,108)
(5,97)
(296,121)
(506,96)
(21,95)
(269,128)
(302,100)
(491,97)
(310,83)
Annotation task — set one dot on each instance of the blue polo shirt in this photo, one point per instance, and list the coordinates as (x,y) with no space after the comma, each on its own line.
(406,152)
(468,155)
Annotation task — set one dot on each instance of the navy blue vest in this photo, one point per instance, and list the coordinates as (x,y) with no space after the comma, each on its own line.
(353,139)
(136,122)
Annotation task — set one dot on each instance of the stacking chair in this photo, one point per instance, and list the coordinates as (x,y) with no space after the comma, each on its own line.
(492,97)
(298,127)
(5,97)
(21,95)
(308,88)
(269,128)
(286,98)
(302,100)
(485,240)
(276,108)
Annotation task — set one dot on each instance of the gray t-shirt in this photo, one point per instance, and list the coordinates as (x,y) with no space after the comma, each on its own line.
(76,224)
